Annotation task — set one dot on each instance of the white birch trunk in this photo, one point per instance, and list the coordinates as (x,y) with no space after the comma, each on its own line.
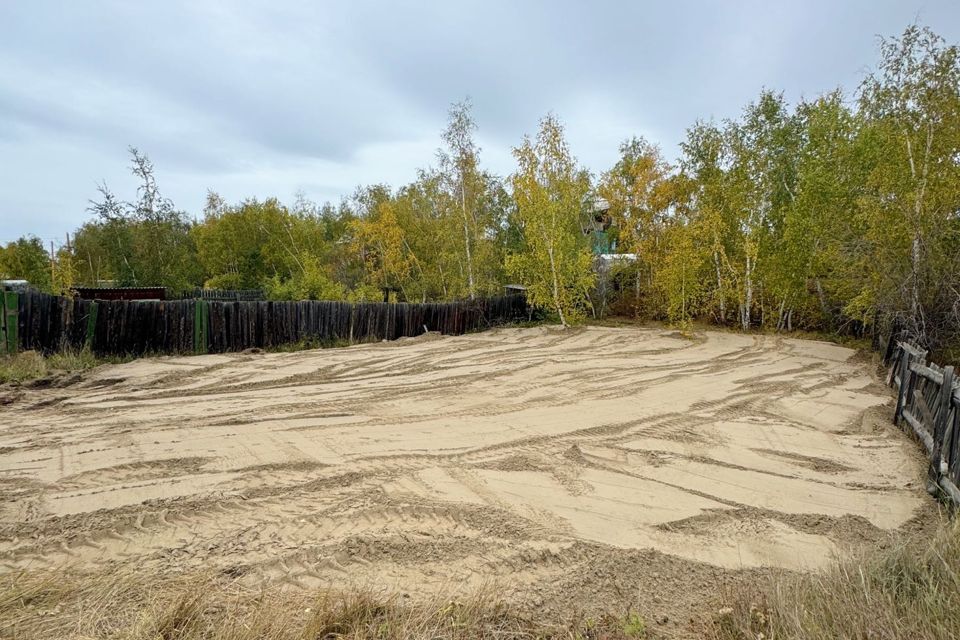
(556,286)
(466,238)
(748,297)
(720,292)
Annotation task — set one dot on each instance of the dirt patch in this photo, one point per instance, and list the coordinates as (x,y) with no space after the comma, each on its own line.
(631,468)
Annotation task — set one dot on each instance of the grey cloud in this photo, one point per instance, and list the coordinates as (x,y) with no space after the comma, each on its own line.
(262,98)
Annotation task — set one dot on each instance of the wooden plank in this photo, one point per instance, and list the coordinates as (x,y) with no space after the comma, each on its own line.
(913,350)
(922,433)
(928,372)
(923,410)
(943,420)
(91,325)
(950,489)
(199,342)
(902,388)
(4,345)
(11,311)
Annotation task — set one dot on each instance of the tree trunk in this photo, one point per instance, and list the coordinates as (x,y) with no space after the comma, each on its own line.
(916,310)
(748,298)
(466,238)
(443,281)
(683,293)
(556,286)
(823,301)
(723,298)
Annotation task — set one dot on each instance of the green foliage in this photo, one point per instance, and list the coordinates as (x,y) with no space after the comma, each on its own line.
(312,282)
(639,191)
(264,244)
(141,242)
(680,277)
(634,626)
(554,260)
(830,215)
(26,259)
(910,146)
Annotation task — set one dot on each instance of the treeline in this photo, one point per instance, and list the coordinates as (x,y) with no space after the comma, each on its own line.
(834,214)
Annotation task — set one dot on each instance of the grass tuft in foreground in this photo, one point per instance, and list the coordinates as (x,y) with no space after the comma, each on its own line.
(124,606)
(908,590)
(26,366)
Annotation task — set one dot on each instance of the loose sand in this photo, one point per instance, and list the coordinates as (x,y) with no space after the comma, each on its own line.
(631,466)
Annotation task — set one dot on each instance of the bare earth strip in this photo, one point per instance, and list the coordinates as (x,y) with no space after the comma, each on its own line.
(618,464)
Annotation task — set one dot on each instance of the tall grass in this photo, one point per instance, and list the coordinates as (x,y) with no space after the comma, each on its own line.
(31,365)
(909,590)
(122,605)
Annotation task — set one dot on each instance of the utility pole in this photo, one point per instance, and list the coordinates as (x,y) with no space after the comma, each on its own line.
(53,273)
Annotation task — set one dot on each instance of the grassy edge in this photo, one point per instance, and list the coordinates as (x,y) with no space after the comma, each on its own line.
(907,589)
(126,605)
(27,366)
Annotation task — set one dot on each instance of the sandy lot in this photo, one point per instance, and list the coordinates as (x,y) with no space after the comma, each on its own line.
(619,464)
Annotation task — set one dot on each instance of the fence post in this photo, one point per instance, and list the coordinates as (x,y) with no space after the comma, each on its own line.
(91,326)
(11,301)
(902,391)
(3,321)
(940,428)
(201,314)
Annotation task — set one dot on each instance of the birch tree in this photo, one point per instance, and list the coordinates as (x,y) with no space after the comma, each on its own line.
(638,191)
(704,166)
(555,260)
(460,166)
(912,139)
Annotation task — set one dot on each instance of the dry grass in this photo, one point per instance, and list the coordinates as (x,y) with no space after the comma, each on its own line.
(123,606)
(31,365)
(909,590)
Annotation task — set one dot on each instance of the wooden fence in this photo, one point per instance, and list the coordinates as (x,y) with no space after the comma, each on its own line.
(220,295)
(928,400)
(48,323)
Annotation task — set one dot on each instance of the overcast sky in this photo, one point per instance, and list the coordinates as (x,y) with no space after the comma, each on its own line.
(259,99)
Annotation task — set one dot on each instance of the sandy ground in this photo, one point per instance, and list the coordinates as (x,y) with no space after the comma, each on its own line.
(631,467)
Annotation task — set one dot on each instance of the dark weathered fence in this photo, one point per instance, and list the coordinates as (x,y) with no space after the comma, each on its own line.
(135,327)
(221,295)
(928,400)
(239,325)
(48,323)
